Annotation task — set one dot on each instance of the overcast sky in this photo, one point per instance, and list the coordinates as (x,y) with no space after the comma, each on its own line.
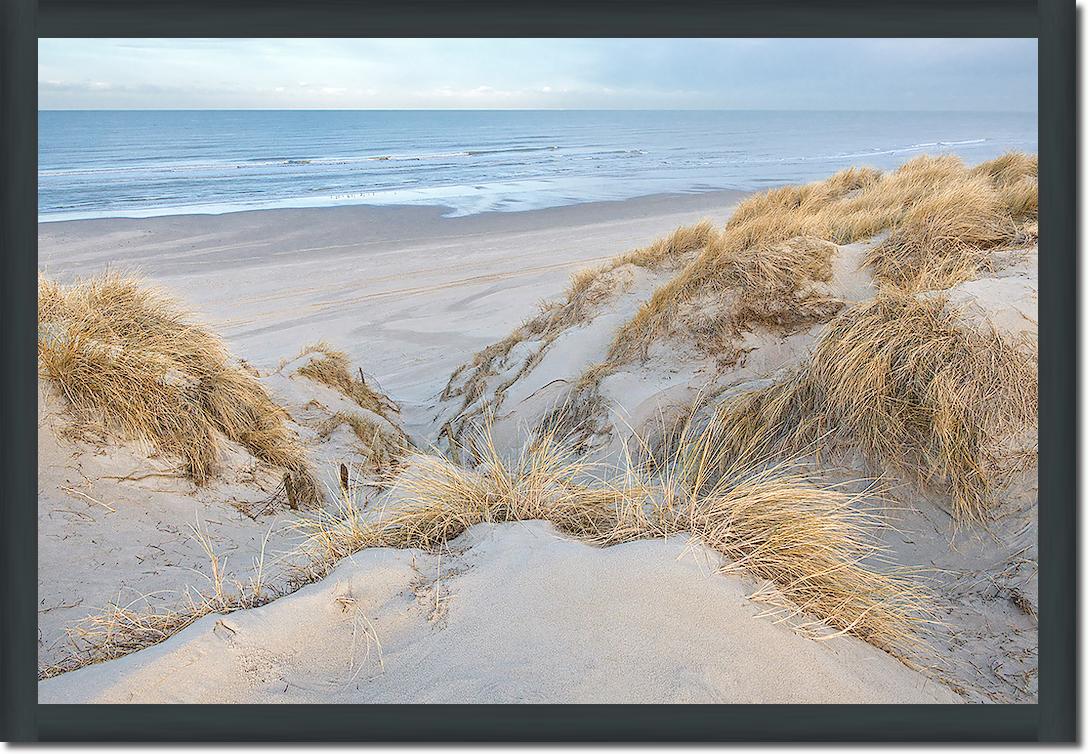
(804,74)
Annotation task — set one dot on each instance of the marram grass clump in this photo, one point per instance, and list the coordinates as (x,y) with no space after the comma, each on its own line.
(944,221)
(130,363)
(945,237)
(333,368)
(816,545)
(781,287)
(904,380)
(382,446)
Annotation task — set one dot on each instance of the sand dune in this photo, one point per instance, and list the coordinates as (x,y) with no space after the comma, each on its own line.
(513,613)
(471,321)
(571,377)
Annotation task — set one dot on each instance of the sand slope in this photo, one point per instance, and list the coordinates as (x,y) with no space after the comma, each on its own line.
(407,293)
(984,578)
(515,613)
(118,524)
(539,379)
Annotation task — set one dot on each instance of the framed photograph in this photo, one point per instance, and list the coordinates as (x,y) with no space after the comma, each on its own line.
(687,374)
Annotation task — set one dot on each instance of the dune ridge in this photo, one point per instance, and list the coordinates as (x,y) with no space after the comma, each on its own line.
(759,389)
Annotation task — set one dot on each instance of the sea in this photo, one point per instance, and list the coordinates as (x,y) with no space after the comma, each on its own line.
(139,163)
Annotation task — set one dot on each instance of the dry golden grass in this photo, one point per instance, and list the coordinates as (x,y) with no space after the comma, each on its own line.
(127,360)
(912,389)
(333,368)
(771,267)
(945,238)
(1021,199)
(815,545)
(944,220)
(780,288)
(899,378)
(1009,168)
(578,418)
(118,630)
(588,290)
(383,447)
(672,249)
(775,288)
(483,366)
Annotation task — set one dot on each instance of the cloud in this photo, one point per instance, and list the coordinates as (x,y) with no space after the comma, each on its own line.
(844,74)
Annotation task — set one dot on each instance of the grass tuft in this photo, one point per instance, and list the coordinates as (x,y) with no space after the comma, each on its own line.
(944,220)
(672,249)
(333,368)
(815,545)
(945,238)
(382,447)
(902,380)
(129,362)
(1009,168)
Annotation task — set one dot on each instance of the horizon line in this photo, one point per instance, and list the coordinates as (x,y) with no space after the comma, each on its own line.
(526,109)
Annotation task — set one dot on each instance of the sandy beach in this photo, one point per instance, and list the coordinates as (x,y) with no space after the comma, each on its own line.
(407,293)
(615,327)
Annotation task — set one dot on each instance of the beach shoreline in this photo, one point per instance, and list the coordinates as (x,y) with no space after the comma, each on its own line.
(404,290)
(528,218)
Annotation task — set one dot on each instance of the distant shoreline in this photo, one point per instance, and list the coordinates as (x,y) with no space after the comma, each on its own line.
(397,214)
(682,199)
(382,281)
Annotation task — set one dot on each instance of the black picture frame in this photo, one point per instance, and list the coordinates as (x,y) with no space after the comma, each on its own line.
(1053,719)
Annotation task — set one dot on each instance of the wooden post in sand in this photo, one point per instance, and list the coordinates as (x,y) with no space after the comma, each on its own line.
(289,487)
(344,479)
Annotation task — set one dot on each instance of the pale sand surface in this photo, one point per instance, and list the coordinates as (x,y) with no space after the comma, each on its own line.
(984,579)
(406,293)
(519,613)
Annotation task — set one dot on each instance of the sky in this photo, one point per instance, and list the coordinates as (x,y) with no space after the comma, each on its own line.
(773,74)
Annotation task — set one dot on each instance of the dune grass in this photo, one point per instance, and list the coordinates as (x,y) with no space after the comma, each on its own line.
(901,379)
(333,368)
(815,545)
(1016,177)
(672,249)
(586,293)
(898,377)
(771,267)
(130,363)
(121,629)
(1009,168)
(944,219)
(946,237)
(383,447)
(118,630)
(778,288)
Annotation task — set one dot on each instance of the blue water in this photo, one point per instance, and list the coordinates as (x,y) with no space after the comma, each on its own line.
(143,163)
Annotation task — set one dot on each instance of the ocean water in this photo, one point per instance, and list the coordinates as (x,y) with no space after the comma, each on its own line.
(145,163)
